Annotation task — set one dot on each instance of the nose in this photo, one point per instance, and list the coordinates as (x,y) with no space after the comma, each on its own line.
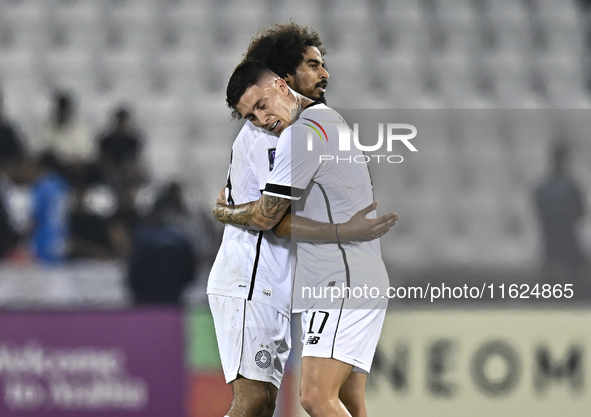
(324,73)
(261,117)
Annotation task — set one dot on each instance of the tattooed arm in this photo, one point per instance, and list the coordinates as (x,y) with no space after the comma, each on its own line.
(263,214)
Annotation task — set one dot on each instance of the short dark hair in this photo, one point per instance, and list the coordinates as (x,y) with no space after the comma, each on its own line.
(246,74)
(282,47)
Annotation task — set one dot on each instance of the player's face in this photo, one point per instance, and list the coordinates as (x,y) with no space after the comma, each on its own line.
(268,105)
(311,77)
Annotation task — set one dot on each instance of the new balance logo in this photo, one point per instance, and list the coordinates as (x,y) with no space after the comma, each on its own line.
(313,340)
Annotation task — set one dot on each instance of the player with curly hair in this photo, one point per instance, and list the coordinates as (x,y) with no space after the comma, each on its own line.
(295,53)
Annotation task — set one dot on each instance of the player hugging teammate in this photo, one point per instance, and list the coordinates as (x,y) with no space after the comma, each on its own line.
(278,189)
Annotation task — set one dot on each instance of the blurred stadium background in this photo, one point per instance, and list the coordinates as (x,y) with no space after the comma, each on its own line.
(467,217)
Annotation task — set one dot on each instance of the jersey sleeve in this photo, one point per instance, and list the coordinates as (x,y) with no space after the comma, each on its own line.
(295,165)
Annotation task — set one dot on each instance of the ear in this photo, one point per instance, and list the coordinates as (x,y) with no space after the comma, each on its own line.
(283,87)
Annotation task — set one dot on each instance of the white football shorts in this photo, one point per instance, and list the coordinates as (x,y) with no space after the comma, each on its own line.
(347,335)
(254,339)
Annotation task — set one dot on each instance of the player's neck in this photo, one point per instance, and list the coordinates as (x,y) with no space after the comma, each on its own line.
(301,104)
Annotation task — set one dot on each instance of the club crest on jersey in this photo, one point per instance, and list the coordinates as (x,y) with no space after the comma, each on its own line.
(263,359)
(271,159)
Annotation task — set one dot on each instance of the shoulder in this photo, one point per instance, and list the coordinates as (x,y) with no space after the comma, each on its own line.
(322,118)
(251,137)
(320,111)
(265,138)
(249,132)
(285,139)
(246,136)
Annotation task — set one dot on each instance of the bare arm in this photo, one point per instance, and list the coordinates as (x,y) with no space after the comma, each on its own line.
(358,228)
(263,214)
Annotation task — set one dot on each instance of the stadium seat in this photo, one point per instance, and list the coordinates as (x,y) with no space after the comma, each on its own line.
(22,32)
(18,63)
(79,12)
(305,12)
(558,10)
(23,10)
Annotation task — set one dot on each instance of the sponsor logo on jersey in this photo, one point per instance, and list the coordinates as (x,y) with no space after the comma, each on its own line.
(313,340)
(263,359)
(267,292)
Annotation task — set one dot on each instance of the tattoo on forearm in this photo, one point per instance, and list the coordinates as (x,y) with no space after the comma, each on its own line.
(273,207)
(253,215)
(234,214)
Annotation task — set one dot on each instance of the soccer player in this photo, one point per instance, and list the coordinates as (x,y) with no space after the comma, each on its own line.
(249,286)
(340,340)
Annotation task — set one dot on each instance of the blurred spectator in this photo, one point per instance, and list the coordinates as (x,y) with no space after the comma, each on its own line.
(196,223)
(11,146)
(560,209)
(120,150)
(91,227)
(51,199)
(127,212)
(9,237)
(162,261)
(125,221)
(66,136)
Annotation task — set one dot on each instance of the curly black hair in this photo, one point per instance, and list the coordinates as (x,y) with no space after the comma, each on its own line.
(282,47)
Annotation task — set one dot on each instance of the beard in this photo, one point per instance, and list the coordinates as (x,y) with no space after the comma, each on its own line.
(299,88)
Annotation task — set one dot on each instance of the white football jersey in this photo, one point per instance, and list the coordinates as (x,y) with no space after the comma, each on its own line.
(329,191)
(252,265)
